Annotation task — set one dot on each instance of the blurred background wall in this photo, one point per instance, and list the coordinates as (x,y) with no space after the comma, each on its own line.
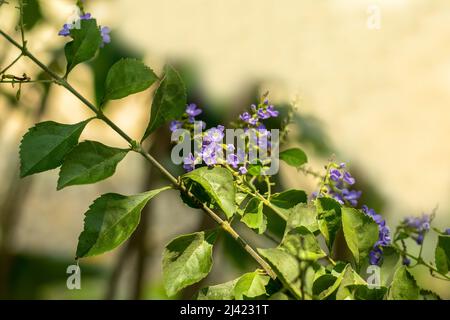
(381,97)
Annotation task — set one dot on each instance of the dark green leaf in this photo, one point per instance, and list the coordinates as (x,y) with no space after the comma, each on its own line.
(251,285)
(111,220)
(404,286)
(294,157)
(429,295)
(45,145)
(254,217)
(219,184)
(89,162)
(186,260)
(86,41)
(32,13)
(302,243)
(360,232)
(364,292)
(329,219)
(126,77)
(442,254)
(289,198)
(169,102)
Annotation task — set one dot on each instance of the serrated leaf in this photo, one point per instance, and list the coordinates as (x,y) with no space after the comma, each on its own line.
(254,217)
(45,145)
(327,284)
(294,157)
(404,286)
(186,260)
(111,220)
(126,77)
(89,162)
(429,295)
(302,243)
(442,254)
(219,184)
(360,232)
(86,41)
(328,218)
(350,277)
(251,285)
(224,291)
(302,215)
(169,102)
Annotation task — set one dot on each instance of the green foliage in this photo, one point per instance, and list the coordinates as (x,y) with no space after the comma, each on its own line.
(169,101)
(219,184)
(111,220)
(85,43)
(288,198)
(89,162)
(294,157)
(302,215)
(254,217)
(186,260)
(329,219)
(251,285)
(404,286)
(442,253)
(302,243)
(224,291)
(360,232)
(126,77)
(45,145)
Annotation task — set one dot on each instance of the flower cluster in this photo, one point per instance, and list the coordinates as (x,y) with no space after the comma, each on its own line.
(337,185)
(261,112)
(418,226)
(67,27)
(384,236)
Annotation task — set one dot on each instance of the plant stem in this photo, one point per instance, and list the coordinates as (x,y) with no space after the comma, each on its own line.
(136,147)
(11,64)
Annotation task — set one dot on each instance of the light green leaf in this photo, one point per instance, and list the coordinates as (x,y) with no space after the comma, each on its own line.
(111,220)
(302,215)
(404,286)
(126,77)
(169,102)
(360,232)
(391,260)
(329,218)
(224,291)
(285,266)
(219,184)
(327,284)
(86,41)
(45,145)
(186,260)
(442,254)
(288,199)
(364,292)
(251,285)
(350,277)
(254,217)
(302,243)
(294,157)
(89,162)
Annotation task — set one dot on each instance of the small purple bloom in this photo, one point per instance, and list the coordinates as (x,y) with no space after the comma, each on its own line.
(233,160)
(348,178)
(447,231)
(243,170)
(175,125)
(272,112)
(214,135)
(420,238)
(406,261)
(262,114)
(189,163)
(253,121)
(65,31)
(375,256)
(106,38)
(85,16)
(245,116)
(192,110)
(335,175)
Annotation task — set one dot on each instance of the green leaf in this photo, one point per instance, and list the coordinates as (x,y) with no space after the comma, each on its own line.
(169,102)
(327,284)
(251,285)
(288,199)
(404,286)
(254,217)
(350,277)
(186,260)
(294,157)
(224,291)
(302,215)
(429,295)
(111,220)
(86,41)
(89,162)
(302,243)
(126,77)
(442,254)
(45,145)
(219,184)
(360,232)
(329,218)
(364,292)
(391,260)
(285,266)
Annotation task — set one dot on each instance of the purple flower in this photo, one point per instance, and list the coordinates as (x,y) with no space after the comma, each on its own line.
(175,125)
(263,114)
(384,235)
(214,135)
(348,178)
(243,170)
(419,238)
(272,112)
(447,231)
(351,196)
(233,160)
(406,261)
(86,16)
(253,121)
(375,256)
(189,163)
(106,38)
(209,154)
(335,175)
(419,226)
(192,110)
(245,116)
(65,31)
